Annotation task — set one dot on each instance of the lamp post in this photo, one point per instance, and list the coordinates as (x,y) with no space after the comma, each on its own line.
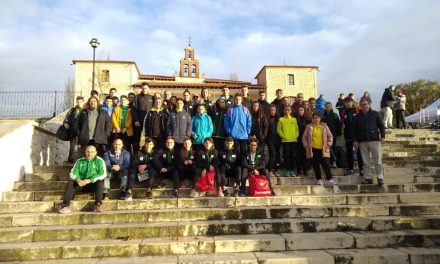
(94,43)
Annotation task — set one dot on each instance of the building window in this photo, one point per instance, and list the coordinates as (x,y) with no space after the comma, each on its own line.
(105,76)
(291,79)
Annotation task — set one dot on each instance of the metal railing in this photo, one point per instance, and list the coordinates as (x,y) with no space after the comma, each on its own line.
(35,104)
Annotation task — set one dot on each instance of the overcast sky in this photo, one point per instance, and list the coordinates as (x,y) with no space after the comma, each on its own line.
(358,45)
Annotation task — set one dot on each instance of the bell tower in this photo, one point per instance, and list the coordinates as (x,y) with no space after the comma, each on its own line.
(189,65)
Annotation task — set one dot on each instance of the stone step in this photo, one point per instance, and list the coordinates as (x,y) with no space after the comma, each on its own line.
(140,247)
(427,179)
(331,241)
(413,255)
(218,202)
(281,190)
(201,228)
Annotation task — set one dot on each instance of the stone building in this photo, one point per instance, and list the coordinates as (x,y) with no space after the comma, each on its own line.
(126,77)
(291,79)
(108,74)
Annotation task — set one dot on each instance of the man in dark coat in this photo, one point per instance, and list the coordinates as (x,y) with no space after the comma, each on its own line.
(94,126)
(387,103)
(142,104)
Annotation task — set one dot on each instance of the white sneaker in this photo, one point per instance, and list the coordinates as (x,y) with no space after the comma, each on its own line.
(220,193)
(193,194)
(330,182)
(319,182)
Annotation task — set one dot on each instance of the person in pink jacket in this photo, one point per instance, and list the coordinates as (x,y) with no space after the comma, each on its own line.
(317,140)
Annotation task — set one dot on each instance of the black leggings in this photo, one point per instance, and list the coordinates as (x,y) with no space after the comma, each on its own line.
(172,175)
(234,172)
(302,163)
(241,146)
(350,159)
(274,155)
(289,155)
(96,187)
(318,160)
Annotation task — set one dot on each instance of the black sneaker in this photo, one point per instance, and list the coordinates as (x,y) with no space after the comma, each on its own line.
(122,197)
(236,193)
(379,182)
(367,181)
(273,193)
(149,195)
(161,185)
(176,194)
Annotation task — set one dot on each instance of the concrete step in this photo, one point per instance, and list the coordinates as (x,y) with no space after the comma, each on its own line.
(413,255)
(230,202)
(140,247)
(281,190)
(331,241)
(204,228)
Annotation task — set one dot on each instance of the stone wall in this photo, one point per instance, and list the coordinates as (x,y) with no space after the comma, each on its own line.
(23,143)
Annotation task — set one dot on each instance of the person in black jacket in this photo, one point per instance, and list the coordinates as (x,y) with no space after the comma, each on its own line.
(259,123)
(70,123)
(369,135)
(340,104)
(303,163)
(254,163)
(273,141)
(349,114)
(207,160)
(334,124)
(263,102)
(148,165)
(169,159)
(231,164)
(279,101)
(188,102)
(141,105)
(387,103)
(155,123)
(94,126)
(218,117)
(187,162)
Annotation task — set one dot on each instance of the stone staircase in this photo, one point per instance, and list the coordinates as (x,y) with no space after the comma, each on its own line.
(398,222)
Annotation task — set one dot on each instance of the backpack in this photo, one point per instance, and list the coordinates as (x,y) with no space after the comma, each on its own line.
(259,186)
(206,183)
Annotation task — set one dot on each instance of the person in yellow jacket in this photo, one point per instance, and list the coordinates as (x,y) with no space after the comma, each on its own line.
(122,119)
(288,131)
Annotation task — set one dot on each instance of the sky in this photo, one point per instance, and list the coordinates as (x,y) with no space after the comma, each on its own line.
(359,45)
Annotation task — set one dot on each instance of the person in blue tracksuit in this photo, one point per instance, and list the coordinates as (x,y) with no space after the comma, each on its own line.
(202,127)
(238,124)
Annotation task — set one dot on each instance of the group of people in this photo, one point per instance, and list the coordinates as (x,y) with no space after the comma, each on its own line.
(191,137)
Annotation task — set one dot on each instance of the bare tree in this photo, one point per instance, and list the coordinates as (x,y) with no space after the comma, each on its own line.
(69,94)
(234,76)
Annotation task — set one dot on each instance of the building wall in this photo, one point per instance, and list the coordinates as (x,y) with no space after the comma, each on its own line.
(277,78)
(121,76)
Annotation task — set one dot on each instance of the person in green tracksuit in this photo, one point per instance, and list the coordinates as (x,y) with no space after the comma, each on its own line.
(88,172)
(288,131)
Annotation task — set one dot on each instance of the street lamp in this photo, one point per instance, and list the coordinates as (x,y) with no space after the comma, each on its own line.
(94,43)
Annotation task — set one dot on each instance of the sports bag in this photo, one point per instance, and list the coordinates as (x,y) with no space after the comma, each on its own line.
(259,186)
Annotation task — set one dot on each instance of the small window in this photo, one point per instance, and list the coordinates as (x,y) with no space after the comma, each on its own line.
(105,76)
(291,79)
